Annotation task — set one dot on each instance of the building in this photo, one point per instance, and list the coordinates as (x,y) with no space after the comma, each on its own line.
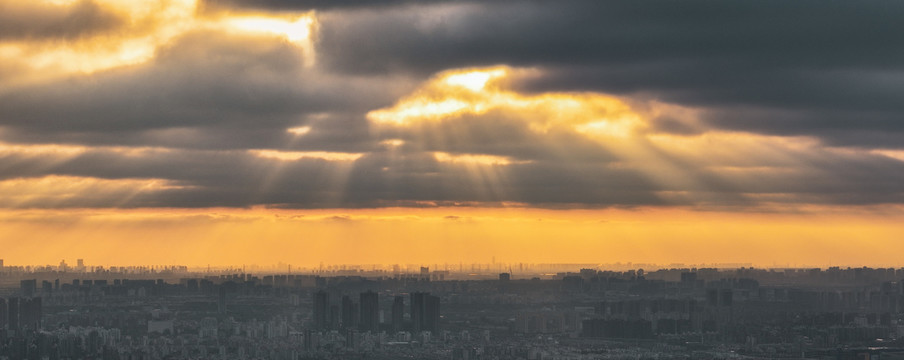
(349,313)
(398,313)
(321,314)
(13,313)
(370,311)
(221,300)
(28,287)
(425,312)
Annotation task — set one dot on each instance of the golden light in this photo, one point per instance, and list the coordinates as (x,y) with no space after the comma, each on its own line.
(146,26)
(56,189)
(392,143)
(397,235)
(299,131)
(473,159)
(894,154)
(475,80)
(456,93)
(53,150)
(298,155)
(298,30)
(681,167)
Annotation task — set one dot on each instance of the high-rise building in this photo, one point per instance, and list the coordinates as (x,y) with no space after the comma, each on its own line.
(321,310)
(27,287)
(370,311)
(4,315)
(431,313)
(398,313)
(349,313)
(12,305)
(334,317)
(221,300)
(416,301)
(424,312)
(30,311)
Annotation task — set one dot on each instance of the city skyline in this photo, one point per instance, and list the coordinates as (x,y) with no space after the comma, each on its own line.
(222,132)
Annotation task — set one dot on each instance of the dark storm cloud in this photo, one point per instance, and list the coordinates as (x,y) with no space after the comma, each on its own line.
(204,178)
(281,5)
(207,89)
(763,34)
(497,133)
(33,20)
(211,178)
(829,70)
(791,55)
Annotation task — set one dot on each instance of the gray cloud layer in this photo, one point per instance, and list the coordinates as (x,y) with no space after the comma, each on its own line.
(34,20)
(829,71)
(802,59)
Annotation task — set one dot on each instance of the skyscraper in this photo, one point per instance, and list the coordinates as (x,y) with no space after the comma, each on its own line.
(398,313)
(417,311)
(424,312)
(370,311)
(4,315)
(30,312)
(28,287)
(431,313)
(321,310)
(13,312)
(349,313)
(221,300)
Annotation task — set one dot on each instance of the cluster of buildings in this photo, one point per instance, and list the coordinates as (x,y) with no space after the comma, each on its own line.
(584,314)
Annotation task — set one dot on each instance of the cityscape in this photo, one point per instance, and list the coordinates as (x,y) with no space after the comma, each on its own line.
(451,179)
(93,312)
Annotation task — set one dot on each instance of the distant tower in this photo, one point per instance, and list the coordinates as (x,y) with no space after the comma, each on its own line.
(30,313)
(370,312)
(417,311)
(13,313)
(398,313)
(28,287)
(4,314)
(349,313)
(424,312)
(431,313)
(321,310)
(221,300)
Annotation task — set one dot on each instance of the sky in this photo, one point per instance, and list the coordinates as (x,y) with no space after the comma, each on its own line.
(438,131)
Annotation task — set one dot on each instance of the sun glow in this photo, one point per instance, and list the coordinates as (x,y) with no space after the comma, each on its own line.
(473,159)
(143,28)
(68,191)
(299,131)
(296,31)
(397,235)
(475,80)
(298,155)
(458,93)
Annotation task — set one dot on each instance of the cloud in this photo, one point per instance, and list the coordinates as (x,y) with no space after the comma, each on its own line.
(36,20)
(807,57)
(567,104)
(282,5)
(207,89)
